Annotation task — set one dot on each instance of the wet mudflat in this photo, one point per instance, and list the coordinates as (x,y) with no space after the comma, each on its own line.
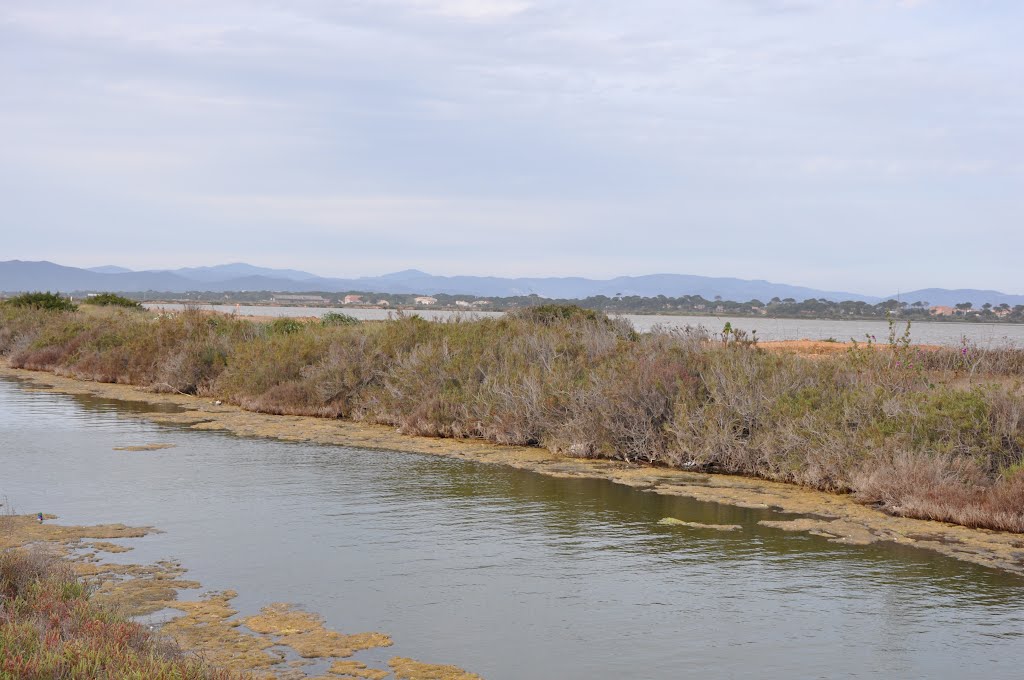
(506,573)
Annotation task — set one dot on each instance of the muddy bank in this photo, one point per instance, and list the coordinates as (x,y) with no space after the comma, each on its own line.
(836,517)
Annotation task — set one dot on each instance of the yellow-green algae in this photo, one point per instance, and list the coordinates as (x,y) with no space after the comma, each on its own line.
(145,447)
(357,669)
(208,625)
(20,530)
(410,669)
(858,523)
(305,633)
(672,521)
(106,546)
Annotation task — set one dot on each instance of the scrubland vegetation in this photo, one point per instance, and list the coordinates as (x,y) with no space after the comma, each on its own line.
(922,432)
(47,300)
(50,630)
(111,300)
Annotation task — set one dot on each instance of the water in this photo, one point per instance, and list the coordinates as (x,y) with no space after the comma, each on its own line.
(508,573)
(927,332)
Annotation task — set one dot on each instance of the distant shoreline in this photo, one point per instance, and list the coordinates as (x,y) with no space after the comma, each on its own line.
(408,309)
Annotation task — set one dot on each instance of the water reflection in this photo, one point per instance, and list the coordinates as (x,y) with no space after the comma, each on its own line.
(510,573)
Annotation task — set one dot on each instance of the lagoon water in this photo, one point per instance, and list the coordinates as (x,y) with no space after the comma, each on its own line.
(927,332)
(509,574)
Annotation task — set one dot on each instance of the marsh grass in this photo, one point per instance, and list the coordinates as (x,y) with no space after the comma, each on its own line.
(922,432)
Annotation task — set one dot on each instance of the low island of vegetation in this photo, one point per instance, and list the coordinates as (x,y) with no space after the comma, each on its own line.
(926,432)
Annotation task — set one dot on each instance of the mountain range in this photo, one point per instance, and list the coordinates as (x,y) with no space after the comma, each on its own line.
(18,276)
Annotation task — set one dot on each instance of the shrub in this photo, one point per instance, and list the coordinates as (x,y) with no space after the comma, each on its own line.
(48,301)
(111,300)
(337,319)
(284,326)
(553,313)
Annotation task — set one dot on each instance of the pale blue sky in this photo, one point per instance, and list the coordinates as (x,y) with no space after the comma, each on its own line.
(863,145)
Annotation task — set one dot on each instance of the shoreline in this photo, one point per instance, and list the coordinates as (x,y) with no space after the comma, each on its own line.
(836,517)
(280,642)
(341,308)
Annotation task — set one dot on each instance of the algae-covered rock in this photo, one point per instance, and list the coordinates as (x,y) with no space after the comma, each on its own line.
(410,669)
(672,521)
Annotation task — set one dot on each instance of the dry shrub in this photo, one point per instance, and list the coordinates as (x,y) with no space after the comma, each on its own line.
(972,359)
(422,395)
(942,487)
(749,412)
(292,398)
(20,568)
(353,363)
(622,410)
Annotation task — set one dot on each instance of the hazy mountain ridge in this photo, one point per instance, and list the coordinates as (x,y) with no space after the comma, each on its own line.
(16,275)
(947,297)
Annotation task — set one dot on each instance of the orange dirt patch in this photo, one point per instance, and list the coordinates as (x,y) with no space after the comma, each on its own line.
(823,347)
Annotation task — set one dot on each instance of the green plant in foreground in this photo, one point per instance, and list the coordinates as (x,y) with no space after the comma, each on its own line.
(48,301)
(49,628)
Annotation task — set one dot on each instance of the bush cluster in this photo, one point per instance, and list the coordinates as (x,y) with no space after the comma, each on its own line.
(923,432)
(48,301)
(111,300)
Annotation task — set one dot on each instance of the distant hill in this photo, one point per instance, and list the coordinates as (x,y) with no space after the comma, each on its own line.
(652,285)
(237,270)
(109,269)
(942,296)
(17,276)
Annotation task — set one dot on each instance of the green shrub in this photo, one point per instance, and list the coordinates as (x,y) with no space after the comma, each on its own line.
(284,326)
(111,300)
(554,313)
(337,319)
(48,301)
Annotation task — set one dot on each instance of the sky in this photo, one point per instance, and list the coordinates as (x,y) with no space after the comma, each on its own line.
(860,145)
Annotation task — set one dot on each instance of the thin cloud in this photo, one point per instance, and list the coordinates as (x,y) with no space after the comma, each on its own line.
(691,136)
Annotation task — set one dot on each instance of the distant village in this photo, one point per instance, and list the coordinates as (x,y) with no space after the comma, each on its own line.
(374,301)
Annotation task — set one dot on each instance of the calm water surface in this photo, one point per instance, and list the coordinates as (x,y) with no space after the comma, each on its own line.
(510,574)
(928,332)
